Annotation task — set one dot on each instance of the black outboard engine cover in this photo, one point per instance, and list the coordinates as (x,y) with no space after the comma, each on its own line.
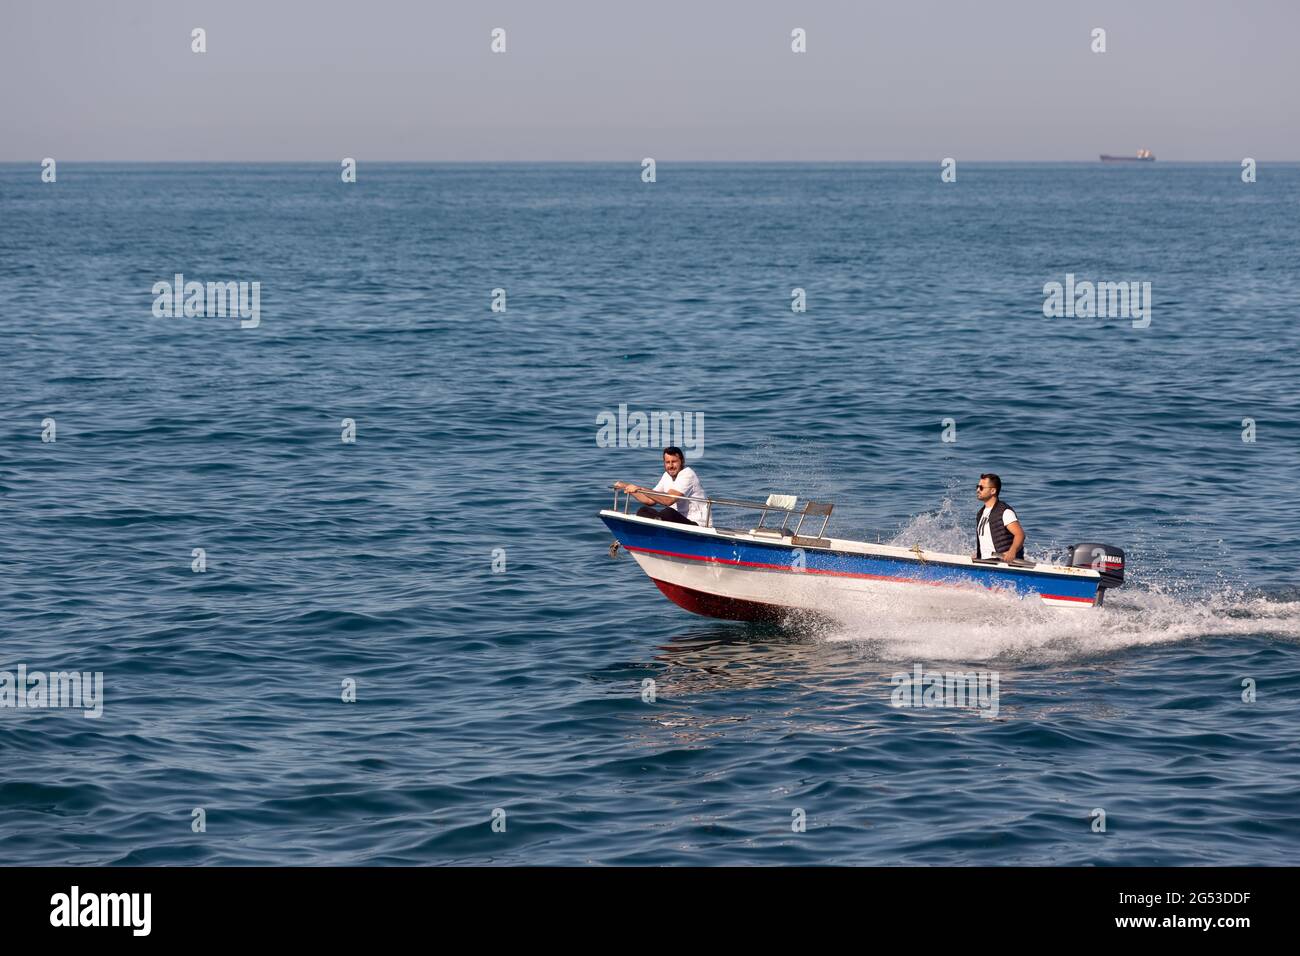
(1106,558)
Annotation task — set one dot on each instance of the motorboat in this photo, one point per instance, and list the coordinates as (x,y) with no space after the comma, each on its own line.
(761,571)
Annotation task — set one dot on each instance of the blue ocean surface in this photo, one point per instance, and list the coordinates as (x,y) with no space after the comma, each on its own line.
(450,565)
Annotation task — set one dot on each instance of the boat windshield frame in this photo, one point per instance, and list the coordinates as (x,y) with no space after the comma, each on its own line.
(811,509)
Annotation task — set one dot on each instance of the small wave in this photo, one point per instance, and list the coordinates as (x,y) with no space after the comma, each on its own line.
(994,626)
(943,530)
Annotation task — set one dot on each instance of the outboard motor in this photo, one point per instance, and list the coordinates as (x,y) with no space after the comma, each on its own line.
(1106,558)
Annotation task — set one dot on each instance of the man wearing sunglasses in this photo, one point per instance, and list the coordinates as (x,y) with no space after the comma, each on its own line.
(997,529)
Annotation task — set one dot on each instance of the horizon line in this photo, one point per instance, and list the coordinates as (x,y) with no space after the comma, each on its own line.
(614,162)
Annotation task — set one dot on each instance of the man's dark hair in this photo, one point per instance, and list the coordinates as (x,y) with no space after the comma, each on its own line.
(676,453)
(993,480)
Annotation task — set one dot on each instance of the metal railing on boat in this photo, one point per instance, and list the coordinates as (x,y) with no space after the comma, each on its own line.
(774,503)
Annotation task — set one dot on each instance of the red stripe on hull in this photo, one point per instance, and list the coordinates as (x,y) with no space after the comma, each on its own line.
(711,605)
(838,574)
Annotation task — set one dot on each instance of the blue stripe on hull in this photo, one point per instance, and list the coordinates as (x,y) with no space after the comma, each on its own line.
(665,537)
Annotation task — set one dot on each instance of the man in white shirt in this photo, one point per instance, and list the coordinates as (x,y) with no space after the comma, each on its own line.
(997,529)
(676,493)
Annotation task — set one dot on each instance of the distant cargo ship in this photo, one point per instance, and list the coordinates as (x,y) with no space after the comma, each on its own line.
(1143,156)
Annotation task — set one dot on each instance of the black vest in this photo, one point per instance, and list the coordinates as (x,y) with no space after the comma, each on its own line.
(1002,538)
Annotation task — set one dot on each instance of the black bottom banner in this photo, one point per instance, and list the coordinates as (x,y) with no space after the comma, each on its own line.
(303,905)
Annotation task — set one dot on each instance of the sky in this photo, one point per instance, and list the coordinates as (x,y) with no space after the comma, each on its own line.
(615,80)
